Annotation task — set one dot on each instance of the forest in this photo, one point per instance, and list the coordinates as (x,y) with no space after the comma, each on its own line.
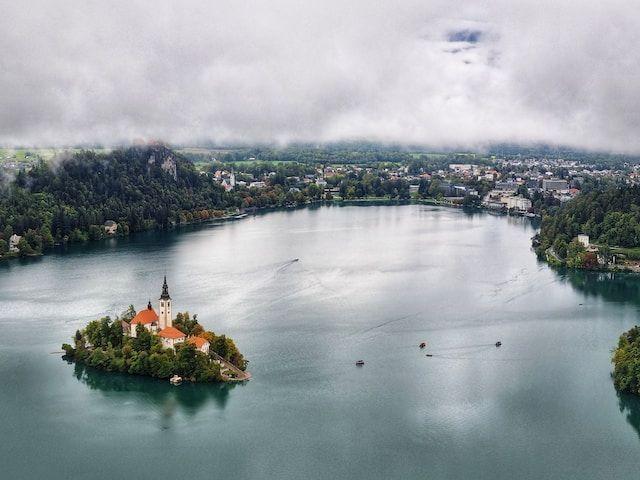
(138,188)
(610,217)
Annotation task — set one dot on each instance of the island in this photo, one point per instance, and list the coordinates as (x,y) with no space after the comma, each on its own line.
(156,344)
(626,361)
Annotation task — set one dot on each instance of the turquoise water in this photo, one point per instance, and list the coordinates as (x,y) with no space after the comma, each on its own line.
(371,283)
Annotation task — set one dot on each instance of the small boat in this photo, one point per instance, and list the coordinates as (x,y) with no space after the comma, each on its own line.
(175,380)
(429,355)
(295,260)
(423,344)
(359,363)
(498,344)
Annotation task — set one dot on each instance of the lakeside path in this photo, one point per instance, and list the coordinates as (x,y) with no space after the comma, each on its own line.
(241,376)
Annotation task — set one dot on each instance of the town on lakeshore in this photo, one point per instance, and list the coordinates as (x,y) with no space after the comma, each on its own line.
(157,344)
(207,184)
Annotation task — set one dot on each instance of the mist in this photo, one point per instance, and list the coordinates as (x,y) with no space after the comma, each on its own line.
(438,73)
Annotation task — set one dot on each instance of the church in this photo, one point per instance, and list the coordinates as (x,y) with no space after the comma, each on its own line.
(162,324)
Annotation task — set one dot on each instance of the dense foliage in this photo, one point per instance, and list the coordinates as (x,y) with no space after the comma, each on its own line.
(626,361)
(328,154)
(71,200)
(102,345)
(610,217)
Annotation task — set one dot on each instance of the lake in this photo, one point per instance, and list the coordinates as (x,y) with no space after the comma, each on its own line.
(371,283)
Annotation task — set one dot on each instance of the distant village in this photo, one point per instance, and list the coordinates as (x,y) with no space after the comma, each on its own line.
(510,186)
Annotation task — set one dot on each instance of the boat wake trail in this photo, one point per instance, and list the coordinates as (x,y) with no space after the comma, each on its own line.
(286,265)
(388,322)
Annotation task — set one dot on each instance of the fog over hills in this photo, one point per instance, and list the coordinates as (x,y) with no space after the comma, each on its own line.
(447,74)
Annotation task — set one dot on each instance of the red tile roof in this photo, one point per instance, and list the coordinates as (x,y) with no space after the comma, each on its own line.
(171,332)
(197,341)
(148,315)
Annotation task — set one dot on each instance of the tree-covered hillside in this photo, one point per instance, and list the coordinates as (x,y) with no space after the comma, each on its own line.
(138,188)
(610,217)
(626,361)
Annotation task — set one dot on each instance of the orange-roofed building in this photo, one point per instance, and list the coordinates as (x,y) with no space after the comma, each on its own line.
(169,336)
(148,318)
(201,344)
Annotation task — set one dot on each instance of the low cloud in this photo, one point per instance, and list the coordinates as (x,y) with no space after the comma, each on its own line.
(438,73)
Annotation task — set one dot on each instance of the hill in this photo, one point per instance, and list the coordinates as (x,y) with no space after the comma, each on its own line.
(139,188)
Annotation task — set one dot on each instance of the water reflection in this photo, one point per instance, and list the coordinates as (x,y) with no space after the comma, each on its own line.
(188,398)
(613,287)
(630,406)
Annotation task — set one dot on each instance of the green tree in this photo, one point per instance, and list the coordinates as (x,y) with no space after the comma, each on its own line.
(186,361)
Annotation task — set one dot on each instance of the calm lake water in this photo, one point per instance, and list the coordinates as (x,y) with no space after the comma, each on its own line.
(371,283)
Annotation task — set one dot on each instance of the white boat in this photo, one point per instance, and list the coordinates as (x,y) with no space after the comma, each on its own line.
(175,380)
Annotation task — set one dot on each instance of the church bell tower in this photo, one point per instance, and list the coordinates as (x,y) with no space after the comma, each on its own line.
(165,306)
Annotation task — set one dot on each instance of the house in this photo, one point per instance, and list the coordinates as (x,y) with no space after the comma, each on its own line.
(518,203)
(508,186)
(554,185)
(494,200)
(13,243)
(170,336)
(227,186)
(584,240)
(110,227)
(201,344)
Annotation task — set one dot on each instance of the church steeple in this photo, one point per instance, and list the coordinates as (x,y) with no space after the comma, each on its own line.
(165,306)
(165,289)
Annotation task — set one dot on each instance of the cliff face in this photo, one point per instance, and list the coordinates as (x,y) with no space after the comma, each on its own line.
(164,158)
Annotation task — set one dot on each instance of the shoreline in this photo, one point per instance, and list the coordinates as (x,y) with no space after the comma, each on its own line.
(242,214)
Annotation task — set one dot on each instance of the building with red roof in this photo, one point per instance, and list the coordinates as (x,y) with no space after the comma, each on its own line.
(201,344)
(148,318)
(169,336)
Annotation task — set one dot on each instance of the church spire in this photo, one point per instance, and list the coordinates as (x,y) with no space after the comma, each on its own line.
(165,289)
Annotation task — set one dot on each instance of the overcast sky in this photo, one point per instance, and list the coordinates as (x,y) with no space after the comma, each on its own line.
(439,73)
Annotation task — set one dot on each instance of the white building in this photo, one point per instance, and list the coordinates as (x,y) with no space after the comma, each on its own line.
(110,227)
(13,243)
(584,240)
(518,203)
(169,336)
(201,344)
